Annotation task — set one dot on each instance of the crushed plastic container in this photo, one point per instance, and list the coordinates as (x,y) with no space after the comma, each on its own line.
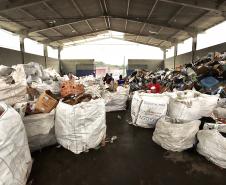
(209,82)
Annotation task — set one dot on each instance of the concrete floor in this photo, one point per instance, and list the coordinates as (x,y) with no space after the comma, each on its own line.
(134,159)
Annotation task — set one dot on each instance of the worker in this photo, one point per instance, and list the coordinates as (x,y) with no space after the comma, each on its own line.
(70,76)
(154,87)
(108,78)
(121,81)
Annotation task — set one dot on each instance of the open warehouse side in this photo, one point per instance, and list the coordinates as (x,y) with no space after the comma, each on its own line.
(112,92)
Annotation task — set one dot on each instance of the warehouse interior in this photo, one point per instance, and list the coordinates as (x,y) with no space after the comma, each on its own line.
(64,119)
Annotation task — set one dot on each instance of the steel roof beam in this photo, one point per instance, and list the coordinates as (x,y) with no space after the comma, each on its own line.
(131,33)
(103,12)
(127,12)
(5,7)
(75,5)
(176,14)
(107,13)
(148,17)
(163,25)
(192,5)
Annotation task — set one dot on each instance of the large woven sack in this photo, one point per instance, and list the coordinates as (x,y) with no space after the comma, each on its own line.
(176,135)
(191,105)
(212,145)
(15,158)
(82,126)
(147,109)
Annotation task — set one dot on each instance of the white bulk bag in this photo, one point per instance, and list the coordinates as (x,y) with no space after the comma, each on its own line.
(135,106)
(212,145)
(175,136)
(15,93)
(15,158)
(40,130)
(220,112)
(116,101)
(191,105)
(149,110)
(82,126)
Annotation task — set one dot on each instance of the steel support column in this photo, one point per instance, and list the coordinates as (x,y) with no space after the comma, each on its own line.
(22,50)
(45,54)
(194,47)
(175,56)
(59,58)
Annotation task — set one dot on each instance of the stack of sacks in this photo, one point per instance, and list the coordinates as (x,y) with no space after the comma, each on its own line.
(212,144)
(16,162)
(88,80)
(116,101)
(94,90)
(42,79)
(13,86)
(82,126)
(175,135)
(40,130)
(191,105)
(92,86)
(34,72)
(178,132)
(147,109)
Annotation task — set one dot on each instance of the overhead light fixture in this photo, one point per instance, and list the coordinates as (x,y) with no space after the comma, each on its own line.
(73,31)
(52,22)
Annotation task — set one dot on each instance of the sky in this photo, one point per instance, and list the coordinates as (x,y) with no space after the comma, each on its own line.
(114,51)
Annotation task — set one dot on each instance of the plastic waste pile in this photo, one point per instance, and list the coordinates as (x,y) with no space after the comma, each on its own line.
(206,75)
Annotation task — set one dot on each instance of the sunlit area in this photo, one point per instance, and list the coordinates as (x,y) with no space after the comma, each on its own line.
(9,40)
(33,47)
(110,52)
(212,36)
(170,52)
(53,53)
(185,47)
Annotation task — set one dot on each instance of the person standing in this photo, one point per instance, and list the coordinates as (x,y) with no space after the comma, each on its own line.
(154,86)
(121,81)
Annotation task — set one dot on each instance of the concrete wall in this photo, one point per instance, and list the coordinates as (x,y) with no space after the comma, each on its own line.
(11,57)
(148,64)
(54,63)
(73,65)
(34,58)
(187,57)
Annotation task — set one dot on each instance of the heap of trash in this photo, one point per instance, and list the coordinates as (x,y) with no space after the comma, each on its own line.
(206,75)
(186,106)
(40,108)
